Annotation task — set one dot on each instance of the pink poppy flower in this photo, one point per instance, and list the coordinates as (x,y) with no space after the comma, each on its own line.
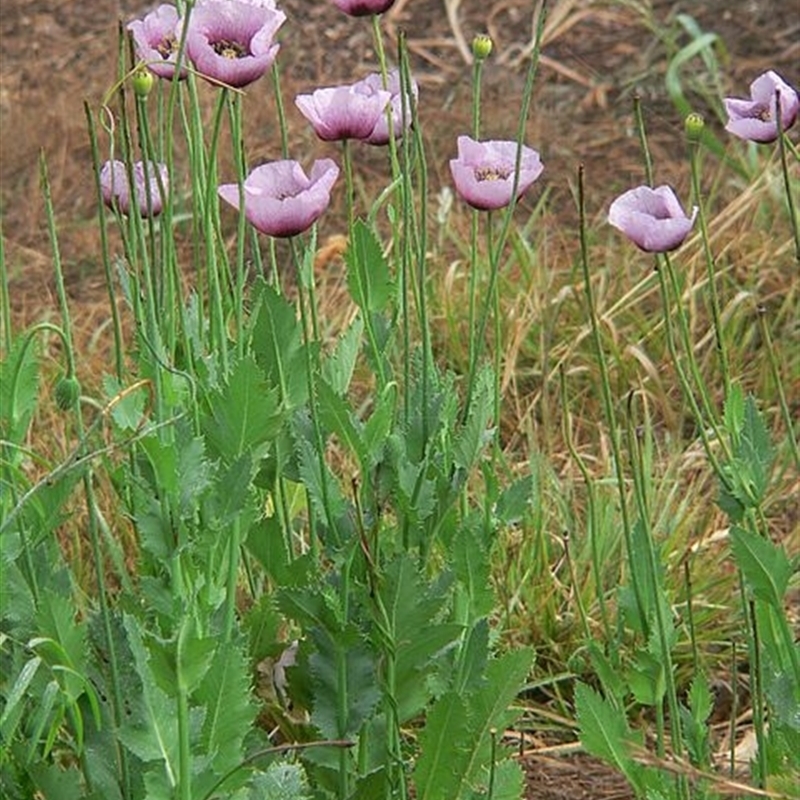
(344,112)
(374,83)
(117,193)
(483,173)
(363,8)
(280,199)
(156,38)
(232,41)
(756,119)
(653,219)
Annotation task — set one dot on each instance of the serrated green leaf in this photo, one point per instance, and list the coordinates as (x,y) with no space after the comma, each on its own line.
(281,781)
(476,434)
(368,276)
(345,682)
(336,416)
(19,389)
(337,369)
(278,345)
(153,736)
(473,657)
(229,714)
(128,405)
(472,566)
(733,414)
(378,427)
(194,655)
(244,415)
(444,756)
(319,482)
(605,732)
(514,502)
(765,566)
(490,707)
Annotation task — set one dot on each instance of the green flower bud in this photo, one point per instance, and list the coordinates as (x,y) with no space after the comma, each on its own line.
(67,392)
(482,46)
(142,81)
(693,126)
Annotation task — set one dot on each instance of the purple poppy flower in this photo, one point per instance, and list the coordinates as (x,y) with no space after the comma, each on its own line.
(652,219)
(484,172)
(756,119)
(363,8)
(231,41)
(280,200)
(374,83)
(117,194)
(344,112)
(157,38)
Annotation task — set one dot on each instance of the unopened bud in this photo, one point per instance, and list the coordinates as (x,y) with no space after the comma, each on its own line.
(67,392)
(482,46)
(142,81)
(693,126)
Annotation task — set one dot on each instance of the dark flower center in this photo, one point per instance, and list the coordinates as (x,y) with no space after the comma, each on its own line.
(167,46)
(230,49)
(491,173)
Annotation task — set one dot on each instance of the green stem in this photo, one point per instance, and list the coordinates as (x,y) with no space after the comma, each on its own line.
(104,251)
(494,256)
(722,354)
(591,501)
(97,555)
(787,183)
(608,404)
(786,413)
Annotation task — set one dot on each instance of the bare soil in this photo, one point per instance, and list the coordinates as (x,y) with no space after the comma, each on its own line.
(54,54)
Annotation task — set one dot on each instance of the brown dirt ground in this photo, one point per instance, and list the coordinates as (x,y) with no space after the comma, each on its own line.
(55,53)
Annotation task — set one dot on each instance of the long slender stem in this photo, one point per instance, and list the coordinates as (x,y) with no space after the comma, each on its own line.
(608,404)
(722,353)
(94,538)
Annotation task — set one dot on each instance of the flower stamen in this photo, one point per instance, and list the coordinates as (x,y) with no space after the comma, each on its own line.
(230,49)
(492,173)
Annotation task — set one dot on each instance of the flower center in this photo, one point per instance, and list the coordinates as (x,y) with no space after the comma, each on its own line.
(230,49)
(167,46)
(491,173)
(764,114)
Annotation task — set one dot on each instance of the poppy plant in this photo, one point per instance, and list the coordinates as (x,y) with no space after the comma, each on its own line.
(363,8)
(344,112)
(116,190)
(483,173)
(156,38)
(280,199)
(756,119)
(653,219)
(374,83)
(232,41)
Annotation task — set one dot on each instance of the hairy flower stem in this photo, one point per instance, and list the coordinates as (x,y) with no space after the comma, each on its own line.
(280,109)
(640,493)
(591,504)
(219,338)
(235,118)
(783,141)
(788,420)
(494,256)
(104,251)
(477,73)
(91,503)
(722,353)
(683,326)
(608,405)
